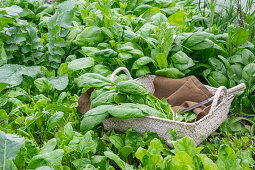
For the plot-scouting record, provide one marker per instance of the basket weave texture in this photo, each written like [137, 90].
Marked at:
[198, 130]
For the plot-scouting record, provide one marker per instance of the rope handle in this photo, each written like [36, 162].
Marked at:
[216, 97]
[118, 70]
[230, 92]
[234, 90]
[226, 93]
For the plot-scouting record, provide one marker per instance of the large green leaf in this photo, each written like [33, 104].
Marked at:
[248, 74]
[181, 161]
[142, 62]
[105, 98]
[94, 116]
[54, 120]
[170, 73]
[3, 86]
[217, 65]
[240, 36]
[134, 139]
[9, 74]
[89, 80]
[182, 61]
[51, 159]
[27, 152]
[141, 152]
[81, 63]
[49, 146]
[12, 73]
[60, 82]
[150, 12]
[131, 87]
[117, 141]
[158, 18]
[247, 57]
[43, 85]
[150, 111]
[195, 38]
[82, 163]
[89, 51]
[208, 163]
[3, 56]
[124, 111]
[99, 161]
[13, 10]
[185, 144]
[90, 35]
[217, 79]
[123, 165]
[177, 19]
[226, 158]
[106, 53]
[202, 45]
[161, 59]
[9, 147]
[155, 147]
[65, 14]
[87, 144]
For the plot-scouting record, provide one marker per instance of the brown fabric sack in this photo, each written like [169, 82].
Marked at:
[183, 93]
[179, 93]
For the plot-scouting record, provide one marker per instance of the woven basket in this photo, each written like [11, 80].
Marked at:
[198, 130]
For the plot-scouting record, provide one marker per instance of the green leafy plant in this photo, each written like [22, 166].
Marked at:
[47, 51]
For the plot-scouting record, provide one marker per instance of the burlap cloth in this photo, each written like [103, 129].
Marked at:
[179, 93]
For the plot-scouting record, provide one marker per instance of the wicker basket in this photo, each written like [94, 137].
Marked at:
[198, 130]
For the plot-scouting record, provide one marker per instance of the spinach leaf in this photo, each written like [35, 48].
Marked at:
[94, 116]
[161, 60]
[43, 85]
[240, 36]
[81, 63]
[177, 19]
[54, 120]
[217, 79]
[182, 61]
[117, 141]
[106, 53]
[105, 98]
[89, 80]
[182, 160]
[52, 159]
[185, 144]
[248, 74]
[170, 73]
[90, 35]
[123, 165]
[226, 158]
[133, 139]
[9, 147]
[125, 111]
[59, 83]
[131, 87]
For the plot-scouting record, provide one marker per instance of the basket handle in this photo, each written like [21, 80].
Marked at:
[216, 97]
[118, 70]
[230, 92]
[234, 90]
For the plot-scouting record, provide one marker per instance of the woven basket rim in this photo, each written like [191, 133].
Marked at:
[185, 123]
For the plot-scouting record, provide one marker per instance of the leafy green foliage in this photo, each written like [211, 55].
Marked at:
[51, 53]
[9, 148]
